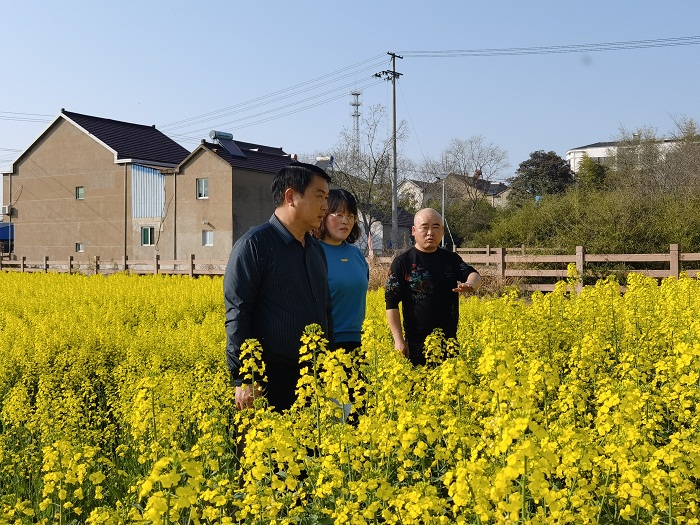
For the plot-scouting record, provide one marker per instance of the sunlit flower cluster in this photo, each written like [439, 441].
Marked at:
[569, 407]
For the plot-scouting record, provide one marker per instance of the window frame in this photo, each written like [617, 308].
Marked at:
[202, 188]
[151, 235]
[207, 237]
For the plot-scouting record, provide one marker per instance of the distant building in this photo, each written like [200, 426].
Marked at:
[601, 152]
[457, 187]
[91, 186]
[381, 233]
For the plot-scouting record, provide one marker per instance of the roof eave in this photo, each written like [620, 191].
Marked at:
[94, 137]
[150, 162]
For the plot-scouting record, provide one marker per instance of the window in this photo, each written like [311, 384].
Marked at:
[207, 237]
[148, 235]
[202, 188]
[79, 247]
[80, 192]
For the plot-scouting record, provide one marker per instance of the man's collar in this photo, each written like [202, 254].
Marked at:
[283, 232]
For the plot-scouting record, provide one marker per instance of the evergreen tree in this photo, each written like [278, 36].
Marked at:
[544, 173]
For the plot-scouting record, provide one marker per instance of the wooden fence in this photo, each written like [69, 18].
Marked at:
[528, 271]
[189, 266]
[541, 272]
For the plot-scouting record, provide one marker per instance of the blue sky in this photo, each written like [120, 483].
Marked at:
[279, 73]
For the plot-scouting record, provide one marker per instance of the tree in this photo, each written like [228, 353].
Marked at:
[362, 165]
[474, 162]
[467, 221]
[591, 174]
[646, 164]
[542, 174]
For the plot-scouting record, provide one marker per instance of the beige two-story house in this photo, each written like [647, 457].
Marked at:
[90, 186]
[85, 185]
[222, 189]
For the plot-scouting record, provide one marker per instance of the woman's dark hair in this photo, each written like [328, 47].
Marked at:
[341, 200]
[297, 176]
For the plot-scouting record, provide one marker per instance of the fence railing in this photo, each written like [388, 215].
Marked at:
[541, 272]
[528, 271]
[188, 266]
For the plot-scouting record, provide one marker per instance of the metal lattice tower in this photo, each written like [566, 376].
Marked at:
[355, 103]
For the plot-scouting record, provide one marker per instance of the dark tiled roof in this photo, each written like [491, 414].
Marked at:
[597, 145]
[257, 157]
[616, 143]
[404, 218]
[424, 185]
[137, 142]
[260, 148]
[487, 187]
[495, 188]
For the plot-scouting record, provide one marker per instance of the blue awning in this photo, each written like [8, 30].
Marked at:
[7, 231]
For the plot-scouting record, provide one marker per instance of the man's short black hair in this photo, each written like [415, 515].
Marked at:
[298, 176]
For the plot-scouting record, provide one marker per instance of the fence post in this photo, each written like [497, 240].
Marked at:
[97, 264]
[156, 264]
[70, 264]
[124, 263]
[192, 265]
[675, 261]
[24, 262]
[580, 266]
[501, 262]
[46, 263]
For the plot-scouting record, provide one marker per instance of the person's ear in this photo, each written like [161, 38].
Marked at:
[289, 196]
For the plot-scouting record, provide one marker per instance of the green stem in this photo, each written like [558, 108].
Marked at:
[670, 500]
[153, 414]
[523, 491]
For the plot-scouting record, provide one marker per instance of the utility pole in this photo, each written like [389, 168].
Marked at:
[444, 176]
[393, 75]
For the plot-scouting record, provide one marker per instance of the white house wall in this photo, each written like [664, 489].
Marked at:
[575, 156]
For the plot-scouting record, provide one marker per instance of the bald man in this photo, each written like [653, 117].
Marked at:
[426, 280]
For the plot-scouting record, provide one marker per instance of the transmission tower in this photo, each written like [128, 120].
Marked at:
[355, 103]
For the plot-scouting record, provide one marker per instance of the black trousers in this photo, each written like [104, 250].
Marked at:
[282, 377]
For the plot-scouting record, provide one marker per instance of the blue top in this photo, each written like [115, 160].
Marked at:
[273, 288]
[348, 280]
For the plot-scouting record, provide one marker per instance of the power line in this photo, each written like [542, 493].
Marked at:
[232, 124]
[543, 50]
[275, 96]
[251, 107]
[24, 117]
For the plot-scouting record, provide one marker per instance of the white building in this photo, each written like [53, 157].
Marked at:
[600, 151]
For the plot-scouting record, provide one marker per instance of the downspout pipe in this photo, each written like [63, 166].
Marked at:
[126, 209]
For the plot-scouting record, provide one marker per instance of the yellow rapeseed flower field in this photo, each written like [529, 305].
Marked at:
[116, 408]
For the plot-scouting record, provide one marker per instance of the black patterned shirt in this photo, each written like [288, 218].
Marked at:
[423, 282]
